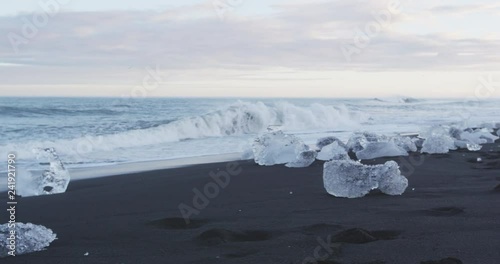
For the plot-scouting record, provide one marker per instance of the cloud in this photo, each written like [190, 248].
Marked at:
[465, 9]
[301, 36]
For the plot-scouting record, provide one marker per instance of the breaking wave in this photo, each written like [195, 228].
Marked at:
[240, 118]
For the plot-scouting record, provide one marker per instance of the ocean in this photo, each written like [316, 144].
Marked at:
[89, 132]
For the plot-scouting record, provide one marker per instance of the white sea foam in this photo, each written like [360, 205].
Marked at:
[241, 118]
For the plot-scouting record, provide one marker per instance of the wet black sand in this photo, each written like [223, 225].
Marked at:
[450, 212]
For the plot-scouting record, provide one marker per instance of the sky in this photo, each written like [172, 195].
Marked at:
[243, 48]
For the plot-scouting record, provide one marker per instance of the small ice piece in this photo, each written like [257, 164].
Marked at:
[498, 132]
[52, 181]
[351, 179]
[479, 160]
[474, 147]
[325, 141]
[28, 238]
[381, 149]
[368, 145]
[333, 151]
[277, 148]
[405, 142]
[304, 159]
[438, 141]
[86, 254]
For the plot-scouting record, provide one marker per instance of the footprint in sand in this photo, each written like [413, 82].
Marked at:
[444, 211]
[361, 236]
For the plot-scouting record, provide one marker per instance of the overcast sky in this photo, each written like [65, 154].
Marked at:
[278, 48]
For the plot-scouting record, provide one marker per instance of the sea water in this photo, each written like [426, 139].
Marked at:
[101, 131]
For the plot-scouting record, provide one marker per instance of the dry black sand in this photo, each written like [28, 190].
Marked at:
[450, 213]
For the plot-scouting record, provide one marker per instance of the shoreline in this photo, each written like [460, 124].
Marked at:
[92, 172]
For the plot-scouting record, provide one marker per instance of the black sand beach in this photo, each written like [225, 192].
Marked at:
[276, 215]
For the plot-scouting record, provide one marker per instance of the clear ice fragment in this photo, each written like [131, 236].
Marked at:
[28, 238]
[52, 181]
[277, 148]
[333, 151]
[304, 159]
[351, 179]
[438, 141]
[325, 141]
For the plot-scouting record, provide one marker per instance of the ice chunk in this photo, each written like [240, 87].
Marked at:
[354, 142]
[358, 141]
[474, 147]
[333, 151]
[351, 179]
[322, 142]
[391, 181]
[498, 132]
[381, 149]
[466, 144]
[28, 238]
[370, 145]
[438, 141]
[52, 181]
[277, 148]
[405, 143]
[480, 136]
[346, 178]
[303, 159]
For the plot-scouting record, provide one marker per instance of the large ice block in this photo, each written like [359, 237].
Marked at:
[277, 148]
[438, 141]
[27, 237]
[52, 181]
[351, 179]
[333, 151]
